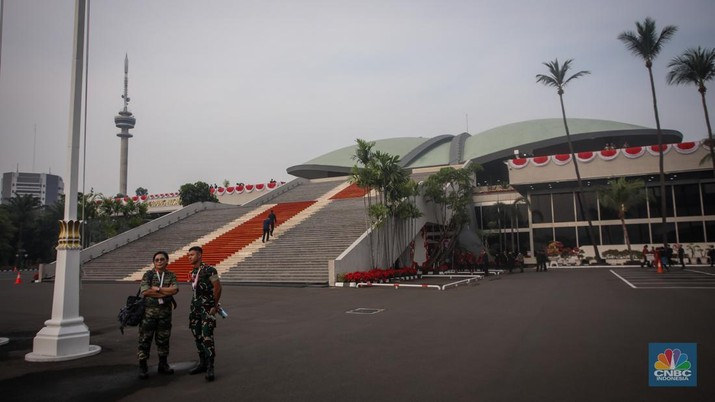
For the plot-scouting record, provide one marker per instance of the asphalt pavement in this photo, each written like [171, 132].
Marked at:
[577, 334]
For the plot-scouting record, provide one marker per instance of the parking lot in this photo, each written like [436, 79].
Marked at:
[578, 334]
[699, 277]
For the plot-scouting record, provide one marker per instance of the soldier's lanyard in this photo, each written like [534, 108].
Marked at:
[196, 278]
[160, 300]
[161, 279]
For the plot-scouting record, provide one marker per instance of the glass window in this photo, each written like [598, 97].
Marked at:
[709, 199]
[710, 231]
[654, 201]
[563, 207]
[583, 239]
[637, 211]
[589, 205]
[490, 217]
[612, 234]
[638, 234]
[658, 232]
[542, 237]
[522, 215]
[541, 208]
[478, 217]
[523, 242]
[567, 236]
[690, 232]
[640, 210]
[687, 199]
[608, 213]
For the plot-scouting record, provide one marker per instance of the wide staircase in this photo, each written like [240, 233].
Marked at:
[300, 256]
[136, 255]
[220, 248]
[322, 215]
[310, 191]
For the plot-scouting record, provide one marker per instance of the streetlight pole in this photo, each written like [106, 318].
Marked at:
[65, 336]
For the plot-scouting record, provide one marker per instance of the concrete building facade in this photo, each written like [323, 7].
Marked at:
[44, 186]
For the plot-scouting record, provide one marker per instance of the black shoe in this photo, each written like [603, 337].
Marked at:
[210, 371]
[143, 370]
[164, 367]
[199, 368]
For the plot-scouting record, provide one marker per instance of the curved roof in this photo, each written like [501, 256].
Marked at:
[535, 137]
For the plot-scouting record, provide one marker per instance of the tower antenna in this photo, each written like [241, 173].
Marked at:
[124, 121]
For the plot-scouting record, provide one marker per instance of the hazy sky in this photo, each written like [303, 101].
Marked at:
[241, 90]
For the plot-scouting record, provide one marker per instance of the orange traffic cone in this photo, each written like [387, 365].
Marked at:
[18, 280]
[660, 266]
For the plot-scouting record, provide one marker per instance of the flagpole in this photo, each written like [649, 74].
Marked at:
[65, 336]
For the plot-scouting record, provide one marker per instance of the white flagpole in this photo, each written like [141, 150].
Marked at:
[65, 336]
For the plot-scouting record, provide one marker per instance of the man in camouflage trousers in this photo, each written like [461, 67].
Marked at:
[158, 287]
[204, 306]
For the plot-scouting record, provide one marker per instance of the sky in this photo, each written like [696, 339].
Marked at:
[241, 90]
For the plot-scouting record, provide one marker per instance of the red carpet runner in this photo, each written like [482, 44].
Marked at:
[351, 191]
[237, 238]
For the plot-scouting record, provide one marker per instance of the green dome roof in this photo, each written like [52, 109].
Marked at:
[532, 136]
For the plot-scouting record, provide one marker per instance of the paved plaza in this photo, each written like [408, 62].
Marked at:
[578, 334]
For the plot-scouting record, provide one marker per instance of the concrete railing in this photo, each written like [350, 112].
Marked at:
[137, 233]
[267, 197]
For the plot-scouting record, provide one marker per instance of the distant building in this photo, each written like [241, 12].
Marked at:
[44, 186]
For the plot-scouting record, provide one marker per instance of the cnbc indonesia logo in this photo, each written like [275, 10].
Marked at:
[672, 366]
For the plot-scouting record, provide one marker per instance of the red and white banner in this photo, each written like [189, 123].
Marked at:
[653, 149]
[634, 152]
[540, 160]
[686, 148]
[585, 157]
[518, 163]
[561, 159]
[608, 154]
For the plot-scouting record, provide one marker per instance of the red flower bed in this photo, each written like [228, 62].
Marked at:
[376, 274]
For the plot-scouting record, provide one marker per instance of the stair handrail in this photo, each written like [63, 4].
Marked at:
[267, 197]
[131, 235]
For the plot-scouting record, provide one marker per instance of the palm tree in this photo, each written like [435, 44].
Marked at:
[365, 177]
[621, 195]
[646, 43]
[695, 66]
[557, 78]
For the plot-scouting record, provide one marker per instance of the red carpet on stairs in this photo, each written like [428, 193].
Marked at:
[237, 238]
[351, 191]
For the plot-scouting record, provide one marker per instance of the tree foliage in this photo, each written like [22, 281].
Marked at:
[392, 206]
[197, 192]
[557, 78]
[646, 43]
[28, 228]
[450, 192]
[621, 195]
[696, 66]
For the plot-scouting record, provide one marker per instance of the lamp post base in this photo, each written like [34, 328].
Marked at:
[59, 341]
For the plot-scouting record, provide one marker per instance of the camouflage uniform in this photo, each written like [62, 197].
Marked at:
[156, 324]
[202, 323]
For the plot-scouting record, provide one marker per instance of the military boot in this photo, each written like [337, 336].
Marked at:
[143, 370]
[210, 369]
[201, 367]
[164, 367]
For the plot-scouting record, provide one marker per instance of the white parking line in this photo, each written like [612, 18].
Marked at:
[623, 279]
[700, 272]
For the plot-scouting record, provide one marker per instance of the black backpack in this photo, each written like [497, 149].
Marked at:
[131, 314]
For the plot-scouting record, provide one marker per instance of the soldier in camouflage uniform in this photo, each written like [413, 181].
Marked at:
[204, 306]
[158, 287]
